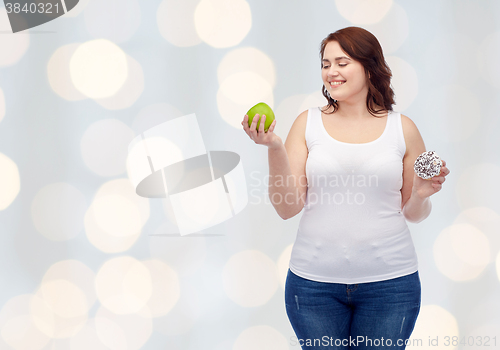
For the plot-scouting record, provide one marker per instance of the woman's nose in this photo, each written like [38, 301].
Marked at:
[333, 72]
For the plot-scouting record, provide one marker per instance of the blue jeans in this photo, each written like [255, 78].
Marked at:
[369, 316]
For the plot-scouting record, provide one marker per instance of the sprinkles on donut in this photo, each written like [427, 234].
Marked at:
[428, 165]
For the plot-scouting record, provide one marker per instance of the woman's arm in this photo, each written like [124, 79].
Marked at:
[287, 174]
[415, 204]
[287, 171]
[417, 209]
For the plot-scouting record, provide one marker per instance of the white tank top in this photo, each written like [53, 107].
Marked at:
[352, 229]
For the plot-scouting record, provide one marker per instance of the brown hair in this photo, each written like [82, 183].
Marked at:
[363, 46]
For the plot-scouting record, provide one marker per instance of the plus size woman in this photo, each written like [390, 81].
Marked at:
[353, 278]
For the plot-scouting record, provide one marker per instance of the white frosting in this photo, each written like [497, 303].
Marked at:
[428, 165]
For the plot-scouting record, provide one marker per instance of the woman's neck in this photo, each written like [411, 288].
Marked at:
[354, 112]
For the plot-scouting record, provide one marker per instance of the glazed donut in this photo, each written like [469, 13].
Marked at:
[428, 165]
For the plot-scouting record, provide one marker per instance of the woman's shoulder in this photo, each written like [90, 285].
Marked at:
[408, 125]
[413, 138]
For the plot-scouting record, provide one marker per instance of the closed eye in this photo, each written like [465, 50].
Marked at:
[340, 65]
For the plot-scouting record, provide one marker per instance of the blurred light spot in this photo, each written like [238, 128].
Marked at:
[115, 20]
[183, 316]
[123, 187]
[98, 68]
[456, 112]
[404, 82]
[164, 150]
[166, 292]
[64, 298]
[17, 325]
[42, 316]
[75, 272]
[87, 339]
[254, 88]
[313, 100]
[234, 98]
[486, 220]
[59, 75]
[109, 333]
[134, 330]
[2, 105]
[433, 321]
[222, 23]
[123, 285]
[155, 148]
[363, 11]
[488, 58]
[153, 115]
[393, 31]
[58, 211]
[117, 215]
[250, 278]
[262, 338]
[461, 252]
[175, 21]
[14, 46]
[103, 240]
[10, 183]
[130, 92]
[474, 193]
[104, 147]
[247, 59]
[283, 264]
[184, 255]
[59, 309]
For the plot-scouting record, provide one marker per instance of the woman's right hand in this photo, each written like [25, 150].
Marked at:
[269, 138]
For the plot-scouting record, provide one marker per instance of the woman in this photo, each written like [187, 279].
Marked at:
[353, 281]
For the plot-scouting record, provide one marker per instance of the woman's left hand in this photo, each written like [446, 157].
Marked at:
[425, 188]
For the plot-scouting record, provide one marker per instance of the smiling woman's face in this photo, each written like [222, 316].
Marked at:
[343, 77]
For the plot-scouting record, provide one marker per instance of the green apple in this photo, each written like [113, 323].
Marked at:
[261, 109]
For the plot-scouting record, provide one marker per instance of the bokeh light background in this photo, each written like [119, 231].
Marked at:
[88, 264]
